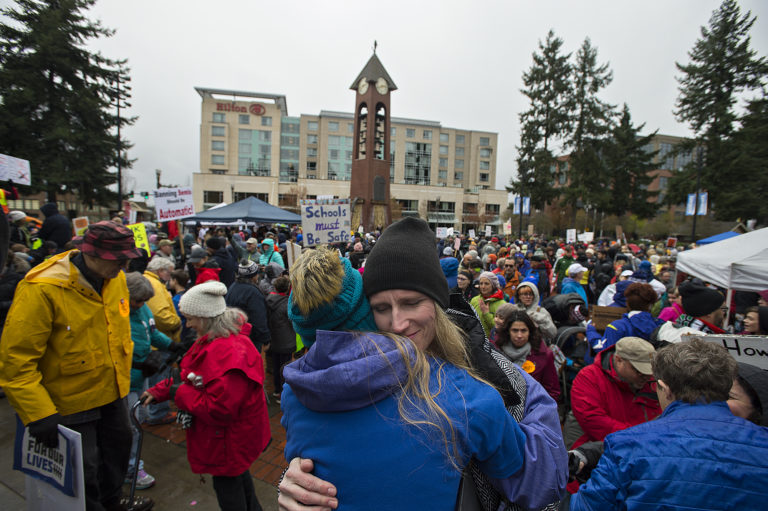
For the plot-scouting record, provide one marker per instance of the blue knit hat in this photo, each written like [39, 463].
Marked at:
[327, 294]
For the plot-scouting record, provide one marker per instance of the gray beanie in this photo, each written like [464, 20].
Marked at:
[204, 300]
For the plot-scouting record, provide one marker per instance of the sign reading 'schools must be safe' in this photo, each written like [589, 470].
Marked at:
[325, 221]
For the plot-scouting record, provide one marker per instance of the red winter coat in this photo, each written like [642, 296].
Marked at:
[603, 404]
[230, 428]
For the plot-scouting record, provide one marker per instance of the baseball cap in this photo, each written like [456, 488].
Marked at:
[637, 352]
[575, 268]
[111, 241]
[165, 243]
[252, 241]
[197, 254]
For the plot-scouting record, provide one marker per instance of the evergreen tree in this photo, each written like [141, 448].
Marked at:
[628, 164]
[545, 122]
[57, 99]
[722, 67]
[747, 168]
[592, 119]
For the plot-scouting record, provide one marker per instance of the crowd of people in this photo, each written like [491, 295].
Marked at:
[413, 372]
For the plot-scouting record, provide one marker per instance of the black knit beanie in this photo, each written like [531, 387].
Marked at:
[405, 257]
[698, 299]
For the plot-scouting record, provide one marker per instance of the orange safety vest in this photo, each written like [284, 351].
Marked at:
[3, 201]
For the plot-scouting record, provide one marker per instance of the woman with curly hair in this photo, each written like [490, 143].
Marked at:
[520, 340]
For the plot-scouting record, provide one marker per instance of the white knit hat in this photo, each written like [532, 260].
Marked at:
[204, 300]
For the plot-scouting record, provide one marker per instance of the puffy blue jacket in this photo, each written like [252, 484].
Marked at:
[630, 324]
[571, 286]
[450, 267]
[694, 456]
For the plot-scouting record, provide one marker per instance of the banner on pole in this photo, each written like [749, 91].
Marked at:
[173, 204]
[702, 203]
[516, 206]
[526, 205]
[325, 221]
[690, 205]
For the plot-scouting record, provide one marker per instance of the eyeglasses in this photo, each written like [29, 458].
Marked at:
[525, 293]
[509, 266]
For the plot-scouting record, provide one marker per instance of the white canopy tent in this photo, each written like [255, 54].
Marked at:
[738, 263]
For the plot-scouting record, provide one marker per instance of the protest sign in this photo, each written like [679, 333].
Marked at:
[487, 231]
[507, 227]
[293, 251]
[140, 236]
[449, 232]
[325, 221]
[14, 169]
[442, 232]
[173, 203]
[750, 349]
[530, 229]
[586, 237]
[457, 243]
[570, 236]
[471, 233]
[54, 475]
[80, 224]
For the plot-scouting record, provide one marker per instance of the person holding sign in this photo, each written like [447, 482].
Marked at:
[66, 352]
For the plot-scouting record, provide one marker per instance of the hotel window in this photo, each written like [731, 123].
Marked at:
[312, 125]
[459, 139]
[311, 166]
[485, 153]
[443, 162]
[427, 135]
[218, 117]
[333, 126]
[244, 119]
[459, 151]
[485, 165]
[266, 121]
[410, 133]
[214, 197]
[458, 176]
[217, 159]
[483, 178]
[459, 164]
[443, 138]
[485, 141]
[217, 131]
[311, 139]
[443, 149]
[311, 152]
[217, 145]
[442, 174]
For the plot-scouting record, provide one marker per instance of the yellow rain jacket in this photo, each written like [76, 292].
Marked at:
[161, 305]
[64, 348]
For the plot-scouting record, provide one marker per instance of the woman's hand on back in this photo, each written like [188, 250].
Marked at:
[301, 491]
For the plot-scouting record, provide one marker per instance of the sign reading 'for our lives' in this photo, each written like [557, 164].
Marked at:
[173, 203]
[325, 221]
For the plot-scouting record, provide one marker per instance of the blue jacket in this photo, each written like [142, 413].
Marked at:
[571, 286]
[698, 456]
[340, 409]
[630, 324]
[144, 335]
[270, 256]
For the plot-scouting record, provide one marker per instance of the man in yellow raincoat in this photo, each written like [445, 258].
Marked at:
[65, 356]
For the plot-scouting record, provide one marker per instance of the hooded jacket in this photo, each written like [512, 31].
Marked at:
[695, 456]
[65, 348]
[347, 387]
[210, 270]
[571, 286]
[227, 264]
[603, 404]
[230, 425]
[537, 313]
[163, 310]
[270, 256]
[247, 297]
[450, 267]
[55, 227]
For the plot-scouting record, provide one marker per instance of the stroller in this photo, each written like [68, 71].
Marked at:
[570, 314]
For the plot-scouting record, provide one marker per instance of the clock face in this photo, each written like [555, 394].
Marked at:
[381, 86]
[362, 87]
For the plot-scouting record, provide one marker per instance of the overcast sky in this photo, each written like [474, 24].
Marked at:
[456, 62]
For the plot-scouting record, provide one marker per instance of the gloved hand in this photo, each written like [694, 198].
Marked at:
[46, 430]
[177, 348]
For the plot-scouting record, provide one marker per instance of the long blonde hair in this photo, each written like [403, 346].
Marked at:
[416, 402]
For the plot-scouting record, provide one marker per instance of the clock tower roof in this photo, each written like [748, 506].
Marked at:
[372, 71]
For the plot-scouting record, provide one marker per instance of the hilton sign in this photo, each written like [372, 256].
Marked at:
[254, 108]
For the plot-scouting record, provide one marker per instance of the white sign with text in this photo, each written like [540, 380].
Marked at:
[173, 204]
[325, 221]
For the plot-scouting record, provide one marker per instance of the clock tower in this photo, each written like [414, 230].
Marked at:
[369, 184]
